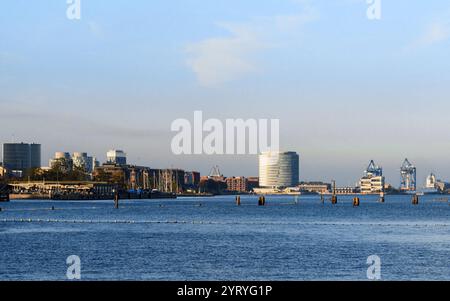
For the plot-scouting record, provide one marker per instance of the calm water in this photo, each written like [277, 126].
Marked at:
[212, 239]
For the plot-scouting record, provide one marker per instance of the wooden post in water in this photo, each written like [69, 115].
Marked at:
[382, 197]
[334, 196]
[262, 201]
[238, 200]
[356, 202]
[415, 199]
[116, 198]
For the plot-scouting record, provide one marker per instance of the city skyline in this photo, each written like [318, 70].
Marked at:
[112, 153]
[346, 89]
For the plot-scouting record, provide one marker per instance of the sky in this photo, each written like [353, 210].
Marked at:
[346, 89]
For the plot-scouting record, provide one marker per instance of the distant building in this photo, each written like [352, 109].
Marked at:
[346, 190]
[278, 169]
[431, 182]
[20, 157]
[237, 184]
[315, 187]
[62, 161]
[79, 160]
[116, 157]
[373, 180]
[191, 178]
[3, 172]
[253, 182]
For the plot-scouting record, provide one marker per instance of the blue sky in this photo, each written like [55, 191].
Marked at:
[346, 89]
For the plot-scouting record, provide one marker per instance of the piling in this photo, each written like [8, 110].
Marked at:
[262, 201]
[382, 198]
[356, 202]
[415, 200]
[334, 198]
[238, 200]
[116, 199]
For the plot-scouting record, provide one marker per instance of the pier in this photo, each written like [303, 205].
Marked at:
[79, 191]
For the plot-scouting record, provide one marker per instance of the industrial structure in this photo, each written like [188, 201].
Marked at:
[408, 175]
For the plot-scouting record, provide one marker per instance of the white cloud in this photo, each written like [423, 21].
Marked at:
[436, 32]
[218, 60]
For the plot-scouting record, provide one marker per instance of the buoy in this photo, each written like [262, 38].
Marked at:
[356, 202]
[53, 207]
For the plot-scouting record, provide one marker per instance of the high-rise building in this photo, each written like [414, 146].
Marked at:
[19, 157]
[116, 157]
[278, 169]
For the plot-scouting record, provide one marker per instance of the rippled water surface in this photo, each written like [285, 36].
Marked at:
[213, 239]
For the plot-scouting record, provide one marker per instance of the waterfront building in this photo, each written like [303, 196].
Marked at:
[116, 157]
[278, 169]
[373, 180]
[192, 178]
[20, 157]
[431, 182]
[253, 182]
[3, 172]
[315, 187]
[237, 184]
[346, 190]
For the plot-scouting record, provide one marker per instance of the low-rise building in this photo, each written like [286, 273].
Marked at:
[237, 184]
[315, 187]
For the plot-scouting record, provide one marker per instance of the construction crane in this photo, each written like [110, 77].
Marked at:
[374, 170]
[408, 174]
[215, 172]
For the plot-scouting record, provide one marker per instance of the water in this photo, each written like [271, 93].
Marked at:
[213, 239]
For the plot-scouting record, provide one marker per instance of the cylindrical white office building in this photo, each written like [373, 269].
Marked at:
[278, 169]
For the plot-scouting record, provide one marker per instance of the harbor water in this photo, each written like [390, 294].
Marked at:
[214, 239]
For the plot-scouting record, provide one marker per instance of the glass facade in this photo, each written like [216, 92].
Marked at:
[278, 169]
